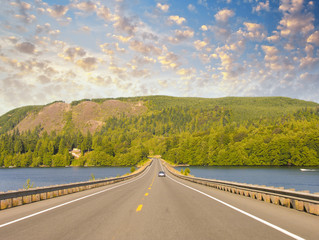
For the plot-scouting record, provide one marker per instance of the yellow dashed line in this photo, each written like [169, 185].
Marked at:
[146, 194]
[149, 188]
[139, 208]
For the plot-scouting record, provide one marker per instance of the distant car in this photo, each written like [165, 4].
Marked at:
[161, 174]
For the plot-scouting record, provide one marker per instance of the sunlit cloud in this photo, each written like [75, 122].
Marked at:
[75, 49]
[176, 19]
[163, 7]
[57, 11]
[224, 15]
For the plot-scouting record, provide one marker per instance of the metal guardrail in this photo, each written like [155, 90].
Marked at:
[20, 197]
[301, 201]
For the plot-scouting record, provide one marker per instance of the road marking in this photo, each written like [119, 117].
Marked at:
[146, 194]
[243, 212]
[149, 188]
[139, 208]
[75, 200]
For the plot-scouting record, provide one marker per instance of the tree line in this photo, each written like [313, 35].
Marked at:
[181, 134]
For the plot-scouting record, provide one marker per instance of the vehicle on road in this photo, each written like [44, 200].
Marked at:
[161, 174]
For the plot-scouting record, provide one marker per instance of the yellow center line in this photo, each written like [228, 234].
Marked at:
[146, 194]
[139, 208]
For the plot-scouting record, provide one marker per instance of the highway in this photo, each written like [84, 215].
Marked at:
[152, 207]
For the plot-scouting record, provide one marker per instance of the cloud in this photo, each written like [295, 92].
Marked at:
[292, 6]
[314, 38]
[144, 48]
[255, 31]
[23, 12]
[44, 79]
[72, 52]
[271, 53]
[181, 35]
[274, 38]
[191, 7]
[126, 25]
[224, 15]
[204, 28]
[262, 6]
[199, 45]
[104, 13]
[163, 7]
[13, 39]
[143, 60]
[170, 60]
[88, 64]
[85, 29]
[111, 48]
[100, 80]
[295, 21]
[176, 19]
[58, 11]
[86, 6]
[186, 73]
[122, 38]
[43, 28]
[26, 47]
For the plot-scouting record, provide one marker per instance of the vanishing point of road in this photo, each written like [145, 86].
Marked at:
[152, 207]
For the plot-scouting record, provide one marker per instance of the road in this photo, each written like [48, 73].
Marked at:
[150, 207]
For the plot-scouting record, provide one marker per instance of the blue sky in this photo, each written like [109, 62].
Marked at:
[70, 50]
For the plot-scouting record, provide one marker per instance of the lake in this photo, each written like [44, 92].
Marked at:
[287, 177]
[15, 178]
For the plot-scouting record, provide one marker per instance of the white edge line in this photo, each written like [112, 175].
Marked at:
[243, 212]
[75, 200]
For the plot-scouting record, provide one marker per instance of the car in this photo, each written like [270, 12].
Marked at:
[161, 174]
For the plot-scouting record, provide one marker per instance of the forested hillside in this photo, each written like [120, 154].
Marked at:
[196, 131]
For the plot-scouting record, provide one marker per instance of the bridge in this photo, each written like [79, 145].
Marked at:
[152, 207]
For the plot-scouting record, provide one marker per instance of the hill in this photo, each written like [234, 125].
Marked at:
[274, 131]
[91, 115]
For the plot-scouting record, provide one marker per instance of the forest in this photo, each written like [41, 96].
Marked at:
[194, 131]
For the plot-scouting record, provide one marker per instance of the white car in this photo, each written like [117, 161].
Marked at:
[161, 174]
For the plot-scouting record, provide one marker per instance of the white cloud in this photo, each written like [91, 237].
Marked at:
[176, 19]
[204, 28]
[163, 7]
[314, 38]
[224, 15]
[199, 45]
[271, 53]
[104, 13]
[86, 6]
[181, 35]
[295, 21]
[191, 7]
[262, 6]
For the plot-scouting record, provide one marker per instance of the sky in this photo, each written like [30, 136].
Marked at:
[71, 50]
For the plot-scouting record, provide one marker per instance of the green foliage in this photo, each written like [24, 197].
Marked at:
[9, 120]
[195, 131]
[132, 169]
[27, 184]
[185, 172]
[92, 178]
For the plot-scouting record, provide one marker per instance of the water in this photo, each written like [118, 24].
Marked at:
[15, 178]
[287, 177]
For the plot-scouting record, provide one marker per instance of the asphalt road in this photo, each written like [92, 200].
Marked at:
[150, 207]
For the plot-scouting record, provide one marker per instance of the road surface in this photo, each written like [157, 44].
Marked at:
[152, 207]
